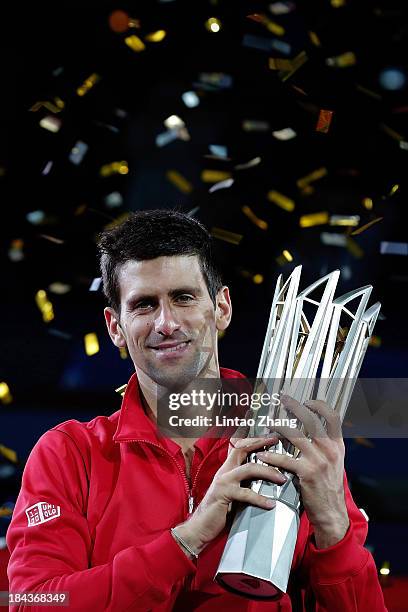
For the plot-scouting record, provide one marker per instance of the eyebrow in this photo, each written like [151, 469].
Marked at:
[134, 299]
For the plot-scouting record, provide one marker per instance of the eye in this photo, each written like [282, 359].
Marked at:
[144, 305]
[184, 297]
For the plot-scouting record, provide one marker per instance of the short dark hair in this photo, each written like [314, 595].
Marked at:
[155, 233]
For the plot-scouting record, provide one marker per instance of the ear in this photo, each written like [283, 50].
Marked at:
[114, 328]
[223, 310]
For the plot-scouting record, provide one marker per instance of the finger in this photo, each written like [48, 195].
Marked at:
[297, 438]
[311, 422]
[333, 423]
[254, 471]
[241, 447]
[283, 462]
[243, 430]
[250, 497]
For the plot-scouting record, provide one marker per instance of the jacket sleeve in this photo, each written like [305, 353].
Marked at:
[343, 576]
[54, 555]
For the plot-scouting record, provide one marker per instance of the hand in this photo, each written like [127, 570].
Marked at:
[210, 517]
[320, 468]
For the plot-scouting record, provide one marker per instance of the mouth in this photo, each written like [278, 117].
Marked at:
[171, 349]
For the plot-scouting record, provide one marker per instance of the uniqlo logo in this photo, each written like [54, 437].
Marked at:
[41, 512]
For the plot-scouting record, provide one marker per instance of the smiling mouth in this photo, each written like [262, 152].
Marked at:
[171, 349]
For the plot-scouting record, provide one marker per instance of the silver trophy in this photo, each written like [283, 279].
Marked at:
[310, 355]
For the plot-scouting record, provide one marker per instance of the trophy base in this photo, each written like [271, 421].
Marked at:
[247, 586]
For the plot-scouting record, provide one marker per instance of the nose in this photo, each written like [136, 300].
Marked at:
[166, 322]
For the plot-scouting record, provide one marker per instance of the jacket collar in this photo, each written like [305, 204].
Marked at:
[135, 426]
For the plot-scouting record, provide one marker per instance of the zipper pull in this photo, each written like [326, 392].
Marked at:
[190, 504]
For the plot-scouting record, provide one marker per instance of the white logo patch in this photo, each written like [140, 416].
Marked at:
[42, 512]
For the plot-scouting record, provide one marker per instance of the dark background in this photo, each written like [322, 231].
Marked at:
[49, 49]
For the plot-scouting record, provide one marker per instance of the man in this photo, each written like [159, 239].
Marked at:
[136, 520]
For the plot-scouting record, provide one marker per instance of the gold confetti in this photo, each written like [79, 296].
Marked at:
[117, 221]
[385, 568]
[315, 40]
[157, 36]
[354, 248]
[393, 189]
[337, 3]
[225, 235]
[285, 257]
[367, 203]
[342, 61]
[368, 92]
[8, 453]
[135, 43]
[364, 442]
[44, 305]
[123, 352]
[288, 67]
[52, 239]
[319, 218]
[258, 279]
[5, 511]
[213, 25]
[91, 344]
[274, 27]
[54, 107]
[312, 177]
[179, 181]
[363, 228]
[5, 394]
[392, 133]
[220, 333]
[121, 390]
[88, 84]
[117, 167]
[345, 220]
[281, 200]
[252, 217]
[214, 176]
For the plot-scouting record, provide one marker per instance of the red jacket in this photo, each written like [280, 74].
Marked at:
[120, 487]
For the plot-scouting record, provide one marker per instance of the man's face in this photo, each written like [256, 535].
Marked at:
[168, 319]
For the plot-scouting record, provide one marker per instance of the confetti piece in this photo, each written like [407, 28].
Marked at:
[354, 248]
[274, 27]
[375, 341]
[392, 133]
[51, 238]
[193, 211]
[281, 200]
[179, 181]
[190, 99]
[345, 220]
[257, 278]
[117, 167]
[55, 107]
[119, 21]
[367, 203]
[47, 168]
[117, 221]
[403, 145]
[113, 199]
[96, 284]
[123, 352]
[156, 37]
[77, 152]
[364, 442]
[250, 164]
[51, 123]
[213, 25]
[282, 8]
[253, 125]
[312, 219]
[252, 217]
[225, 235]
[315, 40]
[368, 92]
[221, 185]
[166, 137]
[44, 305]
[385, 569]
[35, 217]
[5, 511]
[324, 121]
[8, 453]
[59, 288]
[393, 189]
[218, 80]
[213, 176]
[342, 61]
[5, 394]
[88, 84]
[394, 248]
[219, 150]
[257, 42]
[91, 344]
[346, 272]
[59, 334]
[332, 239]
[135, 43]
[312, 177]
[284, 258]
[173, 121]
[363, 228]
[121, 390]
[284, 134]
[15, 251]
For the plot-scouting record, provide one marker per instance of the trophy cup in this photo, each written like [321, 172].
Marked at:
[310, 357]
